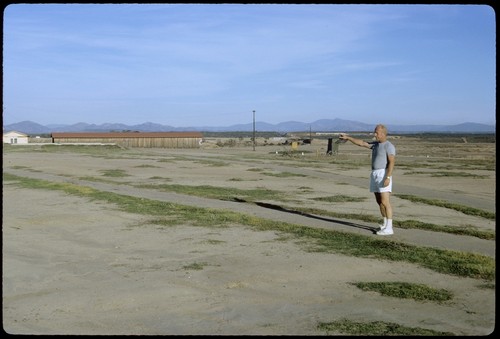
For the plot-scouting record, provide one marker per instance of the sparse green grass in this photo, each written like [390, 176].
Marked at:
[114, 173]
[206, 162]
[375, 328]
[429, 165]
[169, 160]
[213, 241]
[221, 193]
[291, 153]
[469, 230]
[283, 174]
[231, 194]
[146, 166]
[212, 163]
[83, 149]
[196, 266]
[156, 177]
[405, 224]
[487, 286]
[106, 180]
[448, 174]
[225, 193]
[340, 198]
[461, 208]
[405, 290]
[8, 148]
[319, 240]
[255, 169]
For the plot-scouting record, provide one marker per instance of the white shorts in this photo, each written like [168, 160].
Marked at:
[377, 179]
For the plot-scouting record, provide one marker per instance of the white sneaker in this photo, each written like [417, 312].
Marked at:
[382, 227]
[385, 231]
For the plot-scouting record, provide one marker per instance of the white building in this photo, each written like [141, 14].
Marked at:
[14, 137]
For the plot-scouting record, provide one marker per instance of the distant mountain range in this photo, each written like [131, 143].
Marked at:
[323, 125]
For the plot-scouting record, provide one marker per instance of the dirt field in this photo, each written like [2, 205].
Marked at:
[75, 266]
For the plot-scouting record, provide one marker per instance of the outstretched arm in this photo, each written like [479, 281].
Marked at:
[355, 141]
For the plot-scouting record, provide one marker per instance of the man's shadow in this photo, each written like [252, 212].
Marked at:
[282, 209]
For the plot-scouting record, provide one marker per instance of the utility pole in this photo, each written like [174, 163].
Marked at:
[254, 130]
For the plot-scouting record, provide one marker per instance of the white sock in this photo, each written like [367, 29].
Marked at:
[387, 230]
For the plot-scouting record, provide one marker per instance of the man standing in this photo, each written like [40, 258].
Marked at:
[383, 158]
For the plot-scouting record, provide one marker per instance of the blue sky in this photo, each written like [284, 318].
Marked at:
[212, 65]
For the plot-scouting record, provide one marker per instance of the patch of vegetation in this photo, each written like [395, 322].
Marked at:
[405, 224]
[226, 143]
[170, 159]
[441, 138]
[320, 240]
[457, 207]
[196, 266]
[283, 174]
[439, 260]
[406, 290]
[476, 164]
[103, 180]
[291, 153]
[146, 166]
[231, 194]
[340, 198]
[8, 148]
[450, 164]
[221, 193]
[488, 285]
[156, 177]
[212, 163]
[114, 173]
[469, 230]
[255, 169]
[449, 174]
[376, 328]
[83, 149]
[213, 241]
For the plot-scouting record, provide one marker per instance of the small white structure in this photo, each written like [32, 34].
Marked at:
[14, 137]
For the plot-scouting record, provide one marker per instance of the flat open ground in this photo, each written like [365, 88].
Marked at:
[79, 265]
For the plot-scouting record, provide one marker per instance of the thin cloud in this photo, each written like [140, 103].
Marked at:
[286, 58]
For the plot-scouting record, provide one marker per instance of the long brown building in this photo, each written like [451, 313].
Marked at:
[133, 139]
